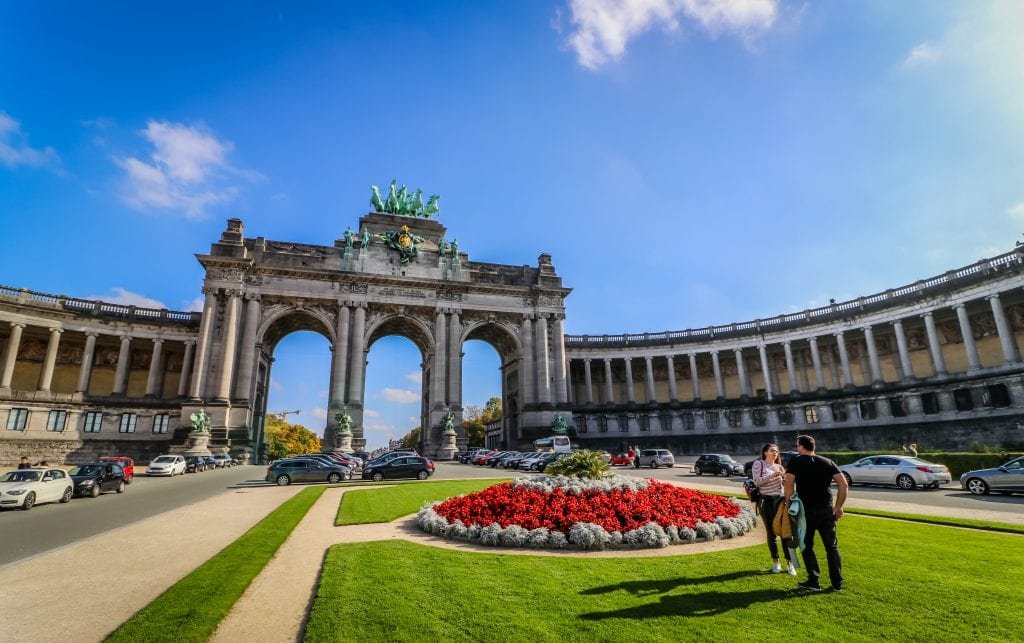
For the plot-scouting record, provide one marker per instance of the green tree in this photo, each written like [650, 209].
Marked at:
[475, 420]
[285, 439]
[411, 440]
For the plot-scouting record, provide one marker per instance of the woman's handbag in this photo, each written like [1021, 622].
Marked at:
[753, 493]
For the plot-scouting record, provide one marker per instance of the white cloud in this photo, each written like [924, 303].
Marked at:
[377, 427]
[276, 385]
[195, 306]
[400, 396]
[127, 298]
[15, 150]
[416, 377]
[370, 413]
[603, 28]
[922, 54]
[413, 421]
[1017, 212]
[319, 413]
[187, 171]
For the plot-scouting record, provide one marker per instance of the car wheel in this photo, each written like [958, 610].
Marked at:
[977, 486]
[422, 475]
[378, 476]
[121, 486]
[334, 478]
[67, 495]
[849, 480]
[903, 481]
[129, 479]
[698, 471]
[283, 480]
[30, 501]
[654, 465]
[95, 491]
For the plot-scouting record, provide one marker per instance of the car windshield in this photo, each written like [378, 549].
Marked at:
[86, 470]
[20, 476]
[725, 458]
[164, 459]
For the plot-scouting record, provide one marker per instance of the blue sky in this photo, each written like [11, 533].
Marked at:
[685, 162]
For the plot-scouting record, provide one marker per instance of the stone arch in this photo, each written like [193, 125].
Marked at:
[500, 336]
[284, 322]
[409, 326]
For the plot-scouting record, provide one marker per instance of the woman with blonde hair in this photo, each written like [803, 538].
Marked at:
[768, 474]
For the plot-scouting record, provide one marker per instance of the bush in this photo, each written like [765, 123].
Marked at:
[581, 464]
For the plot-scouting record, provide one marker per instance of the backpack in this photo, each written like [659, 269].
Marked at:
[753, 493]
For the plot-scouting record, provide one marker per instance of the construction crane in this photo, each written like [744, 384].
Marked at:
[284, 414]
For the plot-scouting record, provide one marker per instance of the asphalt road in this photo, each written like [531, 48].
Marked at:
[45, 527]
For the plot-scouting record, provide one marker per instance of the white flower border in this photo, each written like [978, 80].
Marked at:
[586, 535]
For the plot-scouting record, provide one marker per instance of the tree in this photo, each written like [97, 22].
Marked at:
[475, 420]
[411, 440]
[285, 439]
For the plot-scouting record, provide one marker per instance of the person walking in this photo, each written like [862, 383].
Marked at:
[768, 474]
[811, 475]
[636, 456]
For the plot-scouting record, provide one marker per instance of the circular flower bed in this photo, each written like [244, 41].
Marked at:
[558, 512]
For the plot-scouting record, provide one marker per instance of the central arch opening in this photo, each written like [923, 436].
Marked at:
[393, 402]
[299, 377]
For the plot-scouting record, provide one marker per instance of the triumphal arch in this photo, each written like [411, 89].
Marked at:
[396, 274]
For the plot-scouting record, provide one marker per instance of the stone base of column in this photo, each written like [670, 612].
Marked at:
[198, 444]
[345, 442]
[448, 447]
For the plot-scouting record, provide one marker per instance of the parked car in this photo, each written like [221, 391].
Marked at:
[1009, 478]
[717, 464]
[548, 459]
[166, 465]
[383, 459]
[903, 471]
[534, 462]
[126, 463]
[410, 466]
[486, 460]
[621, 459]
[27, 488]
[655, 458]
[285, 472]
[479, 456]
[223, 460]
[513, 461]
[748, 467]
[195, 463]
[96, 477]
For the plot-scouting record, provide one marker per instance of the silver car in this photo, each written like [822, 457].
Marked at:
[655, 458]
[902, 471]
[1008, 478]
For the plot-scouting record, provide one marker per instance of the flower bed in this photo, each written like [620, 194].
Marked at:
[558, 512]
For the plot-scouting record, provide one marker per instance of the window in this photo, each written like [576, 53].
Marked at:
[930, 403]
[898, 406]
[963, 399]
[93, 421]
[160, 422]
[57, 420]
[839, 412]
[581, 423]
[623, 423]
[644, 421]
[759, 417]
[687, 419]
[811, 414]
[17, 419]
[734, 417]
[602, 424]
[711, 420]
[998, 395]
[867, 409]
[785, 415]
[127, 424]
[665, 421]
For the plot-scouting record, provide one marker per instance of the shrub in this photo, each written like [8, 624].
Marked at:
[582, 464]
[587, 535]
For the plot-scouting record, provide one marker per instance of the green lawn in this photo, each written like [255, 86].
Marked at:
[904, 581]
[192, 608]
[385, 505]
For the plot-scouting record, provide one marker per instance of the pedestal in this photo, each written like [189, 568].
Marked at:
[447, 449]
[198, 444]
[345, 442]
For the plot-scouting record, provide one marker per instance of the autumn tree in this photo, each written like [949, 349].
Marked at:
[285, 439]
[475, 420]
[411, 440]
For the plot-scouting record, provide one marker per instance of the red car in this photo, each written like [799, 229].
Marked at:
[622, 458]
[126, 463]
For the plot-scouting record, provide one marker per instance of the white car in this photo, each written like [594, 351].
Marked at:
[27, 488]
[166, 465]
[900, 470]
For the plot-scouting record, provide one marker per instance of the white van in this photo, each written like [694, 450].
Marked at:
[554, 444]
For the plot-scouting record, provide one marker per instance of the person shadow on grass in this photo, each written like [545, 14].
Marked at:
[699, 604]
[661, 586]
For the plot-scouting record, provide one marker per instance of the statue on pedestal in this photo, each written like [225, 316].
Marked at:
[449, 424]
[349, 236]
[344, 434]
[558, 425]
[200, 421]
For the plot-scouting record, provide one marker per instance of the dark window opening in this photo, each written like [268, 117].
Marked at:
[998, 395]
[930, 403]
[898, 406]
[868, 410]
[840, 413]
[962, 398]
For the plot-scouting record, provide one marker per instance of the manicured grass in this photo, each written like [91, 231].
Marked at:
[192, 608]
[385, 505]
[985, 525]
[904, 581]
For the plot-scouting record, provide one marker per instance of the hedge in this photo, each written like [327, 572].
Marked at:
[958, 462]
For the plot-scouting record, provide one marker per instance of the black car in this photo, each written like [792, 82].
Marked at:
[211, 462]
[786, 456]
[96, 477]
[412, 466]
[194, 463]
[717, 464]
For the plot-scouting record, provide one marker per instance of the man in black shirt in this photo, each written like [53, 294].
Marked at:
[812, 475]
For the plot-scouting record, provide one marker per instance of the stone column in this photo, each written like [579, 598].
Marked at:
[528, 374]
[85, 370]
[673, 394]
[876, 369]
[358, 356]
[247, 351]
[46, 373]
[1010, 352]
[558, 342]
[11, 355]
[121, 373]
[651, 397]
[763, 354]
[588, 380]
[694, 377]
[844, 360]
[629, 380]
[973, 361]
[439, 373]
[719, 384]
[608, 389]
[339, 360]
[455, 359]
[186, 368]
[938, 362]
[901, 346]
[153, 383]
[201, 366]
[543, 360]
[790, 368]
[229, 345]
[741, 370]
[819, 375]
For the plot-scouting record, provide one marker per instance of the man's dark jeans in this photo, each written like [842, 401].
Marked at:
[822, 521]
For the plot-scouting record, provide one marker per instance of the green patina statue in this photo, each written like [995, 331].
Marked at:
[406, 243]
[349, 236]
[365, 239]
[455, 248]
[375, 200]
[558, 425]
[442, 246]
[449, 423]
[344, 421]
[399, 201]
[200, 421]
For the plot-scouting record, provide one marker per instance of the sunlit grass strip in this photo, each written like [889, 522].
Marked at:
[984, 525]
[193, 607]
[910, 581]
[384, 505]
